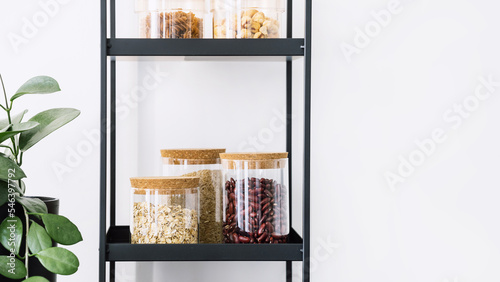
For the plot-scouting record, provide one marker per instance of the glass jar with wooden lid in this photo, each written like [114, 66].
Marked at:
[205, 164]
[255, 198]
[165, 210]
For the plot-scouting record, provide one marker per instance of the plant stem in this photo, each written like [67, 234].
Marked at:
[7, 108]
[26, 254]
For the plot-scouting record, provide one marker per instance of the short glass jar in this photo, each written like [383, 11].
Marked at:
[165, 210]
[248, 18]
[255, 198]
[205, 164]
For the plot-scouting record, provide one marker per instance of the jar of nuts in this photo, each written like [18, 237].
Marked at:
[165, 210]
[205, 164]
[248, 18]
[255, 198]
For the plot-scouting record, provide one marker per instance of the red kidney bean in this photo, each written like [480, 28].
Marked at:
[236, 238]
[265, 201]
[262, 228]
[266, 206]
[262, 237]
[244, 239]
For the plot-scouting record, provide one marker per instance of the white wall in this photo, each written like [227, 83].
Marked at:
[369, 108]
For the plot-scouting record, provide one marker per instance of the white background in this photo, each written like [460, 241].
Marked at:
[369, 108]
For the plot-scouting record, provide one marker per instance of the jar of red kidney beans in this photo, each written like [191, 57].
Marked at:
[255, 198]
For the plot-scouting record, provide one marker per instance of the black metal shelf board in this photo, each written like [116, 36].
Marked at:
[205, 47]
[120, 249]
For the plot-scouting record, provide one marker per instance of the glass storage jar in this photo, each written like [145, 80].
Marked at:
[181, 18]
[147, 11]
[255, 198]
[205, 164]
[165, 210]
[248, 18]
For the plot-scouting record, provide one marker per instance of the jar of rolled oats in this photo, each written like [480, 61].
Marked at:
[165, 210]
[148, 14]
[181, 18]
[248, 18]
[205, 164]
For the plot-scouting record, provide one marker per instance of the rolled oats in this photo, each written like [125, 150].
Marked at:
[164, 224]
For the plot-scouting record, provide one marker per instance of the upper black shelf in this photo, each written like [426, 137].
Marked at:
[119, 249]
[206, 47]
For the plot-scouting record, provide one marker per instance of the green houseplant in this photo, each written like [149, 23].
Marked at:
[27, 230]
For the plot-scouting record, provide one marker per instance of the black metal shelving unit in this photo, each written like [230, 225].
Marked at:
[114, 243]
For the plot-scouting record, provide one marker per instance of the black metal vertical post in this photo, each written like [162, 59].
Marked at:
[112, 146]
[103, 162]
[112, 153]
[289, 137]
[307, 143]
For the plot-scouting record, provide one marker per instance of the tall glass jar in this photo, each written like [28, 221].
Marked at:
[205, 164]
[165, 210]
[248, 18]
[255, 198]
[182, 18]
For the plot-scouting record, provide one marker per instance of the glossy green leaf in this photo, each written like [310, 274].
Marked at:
[61, 229]
[12, 268]
[16, 129]
[9, 169]
[49, 121]
[33, 205]
[36, 279]
[38, 238]
[14, 119]
[58, 260]
[11, 234]
[37, 85]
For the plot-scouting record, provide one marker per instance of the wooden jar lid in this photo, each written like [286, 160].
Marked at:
[165, 185]
[191, 156]
[200, 154]
[254, 160]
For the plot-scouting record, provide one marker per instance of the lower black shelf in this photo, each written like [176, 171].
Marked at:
[118, 248]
